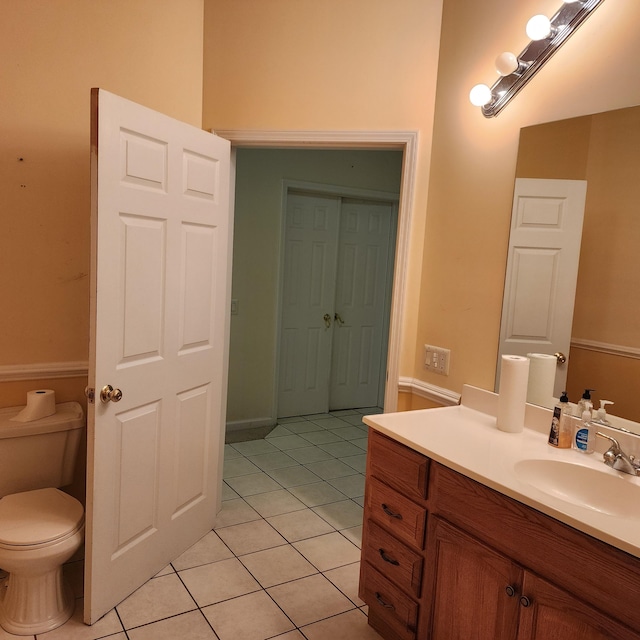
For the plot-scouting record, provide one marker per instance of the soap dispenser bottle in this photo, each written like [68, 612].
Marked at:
[601, 414]
[585, 403]
[560, 432]
[585, 434]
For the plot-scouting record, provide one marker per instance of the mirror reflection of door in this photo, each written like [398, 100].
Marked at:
[335, 303]
[542, 270]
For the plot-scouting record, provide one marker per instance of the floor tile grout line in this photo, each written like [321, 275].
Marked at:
[318, 571]
[313, 419]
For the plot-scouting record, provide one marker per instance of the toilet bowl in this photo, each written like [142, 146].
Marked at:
[39, 531]
[41, 527]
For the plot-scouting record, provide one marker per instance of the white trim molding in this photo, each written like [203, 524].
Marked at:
[445, 397]
[407, 141]
[605, 347]
[44, 371]
[241, 425]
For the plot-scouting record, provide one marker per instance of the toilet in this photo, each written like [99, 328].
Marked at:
[41, 527]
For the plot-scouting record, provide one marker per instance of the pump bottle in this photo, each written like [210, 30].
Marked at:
[585, 403]
[601, 414]
[585, 434]
[560, 432]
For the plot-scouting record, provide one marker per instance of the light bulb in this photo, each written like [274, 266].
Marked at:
[539, 27]
[506, 63]
[480, 95]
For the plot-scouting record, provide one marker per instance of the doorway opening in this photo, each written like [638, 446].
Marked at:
[257, 267]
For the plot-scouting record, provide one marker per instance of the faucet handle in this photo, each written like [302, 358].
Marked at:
[615, 445]
[617, 459]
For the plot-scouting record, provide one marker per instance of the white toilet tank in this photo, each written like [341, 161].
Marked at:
[41, 453]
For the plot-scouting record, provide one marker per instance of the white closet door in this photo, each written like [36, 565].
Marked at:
[307, 304]
[361, 304]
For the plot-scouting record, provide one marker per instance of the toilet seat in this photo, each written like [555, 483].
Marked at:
[38, 517]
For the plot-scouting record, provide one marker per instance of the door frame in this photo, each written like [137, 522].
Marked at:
[405, 141]
[313, 188]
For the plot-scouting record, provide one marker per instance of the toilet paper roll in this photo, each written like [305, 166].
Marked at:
[542, 379]
[40, 404]
[512, 398]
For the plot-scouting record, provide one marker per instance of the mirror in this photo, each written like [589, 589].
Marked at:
[604, 150]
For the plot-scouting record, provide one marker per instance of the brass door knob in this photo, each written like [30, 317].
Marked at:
[109, 394]
[560, 357]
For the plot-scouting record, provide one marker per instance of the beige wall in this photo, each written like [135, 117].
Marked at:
[474, 159]
[289, 64]
[51, 54]
[330, 65]
[256, 255]
[372, 65]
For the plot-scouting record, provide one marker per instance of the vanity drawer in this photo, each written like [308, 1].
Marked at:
[391, 558]
[396, 609]
[398, 514]
[398, 466]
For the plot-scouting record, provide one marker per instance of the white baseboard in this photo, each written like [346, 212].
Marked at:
[445, 397]
[241, 425]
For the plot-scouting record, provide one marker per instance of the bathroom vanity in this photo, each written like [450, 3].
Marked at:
[473, 533]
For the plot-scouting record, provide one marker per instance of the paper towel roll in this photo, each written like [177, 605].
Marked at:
[542, 379]
[514, 375]
[40, 404]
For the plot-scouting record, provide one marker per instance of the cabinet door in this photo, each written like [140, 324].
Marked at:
[476, 589]
[553, 614]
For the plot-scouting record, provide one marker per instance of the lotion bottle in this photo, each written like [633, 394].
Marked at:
[601, 414]
[560, 432]
[585, 434]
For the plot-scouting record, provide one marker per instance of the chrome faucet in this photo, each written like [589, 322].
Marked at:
[617, 459]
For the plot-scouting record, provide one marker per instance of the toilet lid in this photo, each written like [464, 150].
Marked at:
[34, 517]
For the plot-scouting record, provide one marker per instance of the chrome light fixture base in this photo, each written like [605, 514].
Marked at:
[563, 23]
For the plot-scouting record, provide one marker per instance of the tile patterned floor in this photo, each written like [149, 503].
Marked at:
[281, 563]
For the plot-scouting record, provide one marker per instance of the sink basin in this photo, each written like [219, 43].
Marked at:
[602, 490]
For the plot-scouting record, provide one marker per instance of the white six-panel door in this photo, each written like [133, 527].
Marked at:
[311, 233]
[161, 233]
[542, 269]
[337, 262]
[361, 303]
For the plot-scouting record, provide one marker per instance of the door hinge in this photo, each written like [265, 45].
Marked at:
[90, 392]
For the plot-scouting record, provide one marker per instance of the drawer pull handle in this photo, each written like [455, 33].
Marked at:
[391, 513]
[510, 591]
[386, 605]
[386, 558]
[524, 601]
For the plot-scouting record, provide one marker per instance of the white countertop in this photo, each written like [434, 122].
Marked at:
[465, 438]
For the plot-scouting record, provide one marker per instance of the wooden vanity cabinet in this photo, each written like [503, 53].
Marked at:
[446, 558]
[393, 540]
[482, 594]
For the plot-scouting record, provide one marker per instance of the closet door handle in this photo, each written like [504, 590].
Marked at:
[524, 601]
[327, 320]
[338, 319]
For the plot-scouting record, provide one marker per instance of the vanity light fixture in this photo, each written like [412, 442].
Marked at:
[547, 35]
